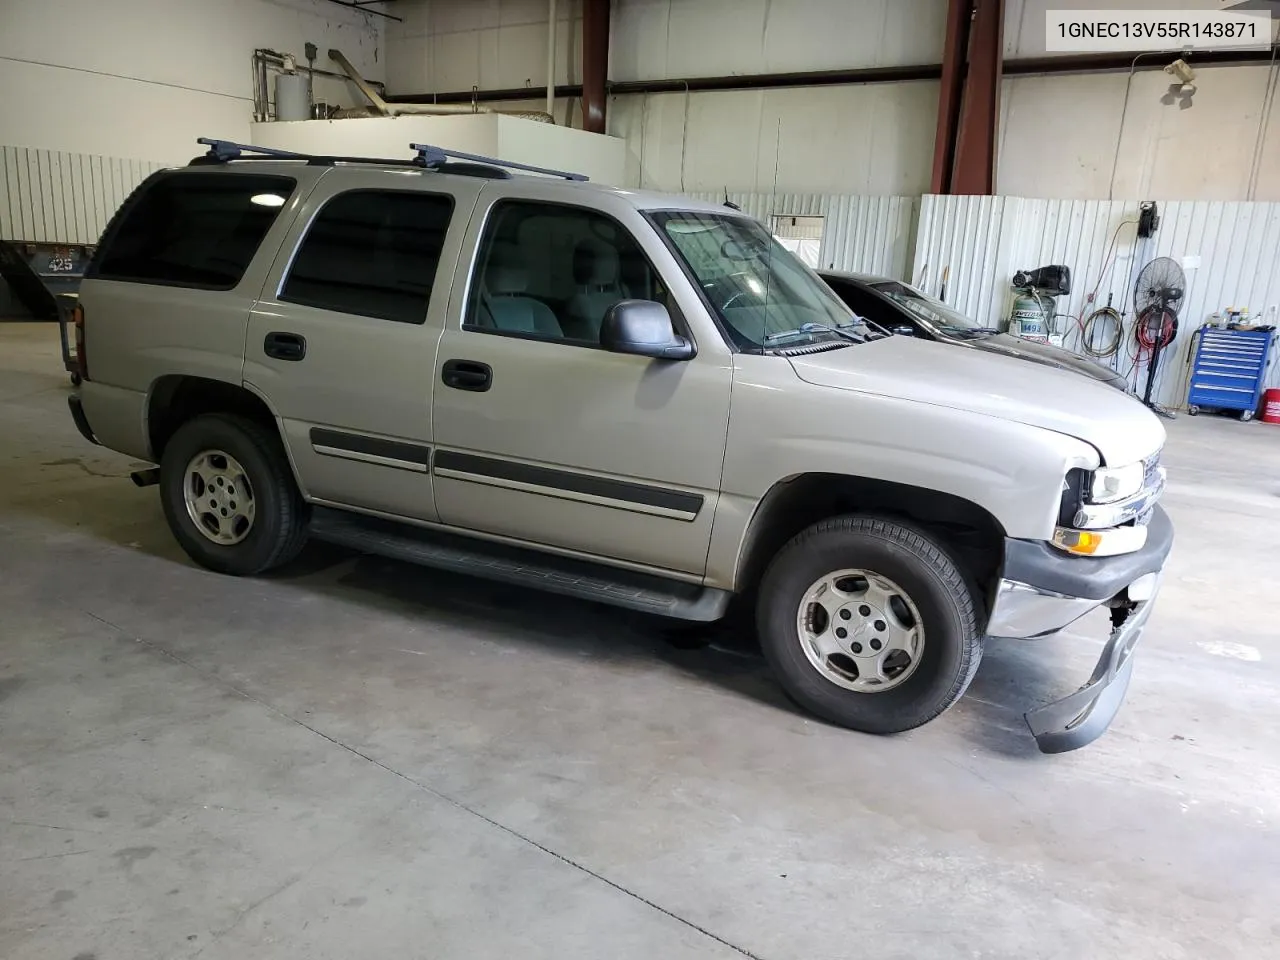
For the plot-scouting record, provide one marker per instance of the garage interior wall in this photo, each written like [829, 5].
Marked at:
[1069, 136]
[875, 139]
[860, 233]
[49, 196]
[1230, 252]
[1063, 135]
[141, 79]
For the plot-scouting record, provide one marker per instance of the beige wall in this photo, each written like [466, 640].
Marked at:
[143, 78]
[1059, 136]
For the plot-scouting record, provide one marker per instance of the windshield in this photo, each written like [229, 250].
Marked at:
[762, 292]
[933, 313]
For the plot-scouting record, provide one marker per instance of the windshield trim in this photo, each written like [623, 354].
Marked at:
[652, 215]
[820, 337]
[929, 322]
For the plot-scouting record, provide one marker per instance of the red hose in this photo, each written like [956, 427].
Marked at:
[1144, 331]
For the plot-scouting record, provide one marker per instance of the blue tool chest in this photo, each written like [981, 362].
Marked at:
[1228, 368]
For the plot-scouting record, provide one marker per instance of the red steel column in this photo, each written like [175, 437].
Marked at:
[964, 150]
[595, 63]
[954, 48]
[975, 162]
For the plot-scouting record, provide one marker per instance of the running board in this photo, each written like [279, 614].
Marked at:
[526, 568]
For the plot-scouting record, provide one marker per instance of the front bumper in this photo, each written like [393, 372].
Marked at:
[1044, 590]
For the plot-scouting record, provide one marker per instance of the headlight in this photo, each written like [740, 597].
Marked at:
[1110, 484]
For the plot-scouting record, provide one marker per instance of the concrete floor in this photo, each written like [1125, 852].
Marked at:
[359, 758]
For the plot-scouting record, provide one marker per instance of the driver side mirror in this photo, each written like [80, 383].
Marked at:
[643, 328]
[903, 330]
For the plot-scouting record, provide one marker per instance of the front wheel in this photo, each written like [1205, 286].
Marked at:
[229, 496]
[869, 624]
[1246, 416]
[1193, 410]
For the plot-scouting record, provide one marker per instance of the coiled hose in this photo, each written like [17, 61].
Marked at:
[1088, 333]
[1155, 324]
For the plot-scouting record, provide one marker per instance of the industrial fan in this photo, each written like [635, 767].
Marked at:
[1157, 295]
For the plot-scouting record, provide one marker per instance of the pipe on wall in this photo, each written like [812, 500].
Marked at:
[264, 58]
[551, 56]
[389, 110]
[1022, 66]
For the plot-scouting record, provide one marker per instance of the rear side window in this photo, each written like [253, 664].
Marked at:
[193, 229]
[372, 253]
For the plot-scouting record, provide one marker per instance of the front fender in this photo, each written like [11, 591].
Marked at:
[781, 430]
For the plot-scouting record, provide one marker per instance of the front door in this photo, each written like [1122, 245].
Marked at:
[342, 342]
[543, 436]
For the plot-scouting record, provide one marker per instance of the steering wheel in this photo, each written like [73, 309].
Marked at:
[740, 292]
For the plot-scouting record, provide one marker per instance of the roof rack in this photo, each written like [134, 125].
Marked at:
[436, 157]
[427, 156]
[224, 151]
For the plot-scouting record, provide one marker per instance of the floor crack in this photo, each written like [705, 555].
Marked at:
[428, 789]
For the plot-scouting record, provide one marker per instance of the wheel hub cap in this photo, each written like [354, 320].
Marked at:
[219, 497]
[860, 630]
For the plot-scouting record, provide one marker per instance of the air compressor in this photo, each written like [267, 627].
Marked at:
[1035, 302]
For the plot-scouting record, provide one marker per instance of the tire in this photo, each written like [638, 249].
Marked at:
[1246, 416]
[76, 380]
[277, 529]
[1193, 410]
[927, 579]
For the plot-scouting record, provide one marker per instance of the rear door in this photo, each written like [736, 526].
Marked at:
[342, 342]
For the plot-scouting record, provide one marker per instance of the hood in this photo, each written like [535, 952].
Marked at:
[1120, 427]
[1048, 354]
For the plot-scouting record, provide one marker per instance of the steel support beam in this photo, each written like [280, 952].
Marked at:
[954, 49]
[964, 150]
[595, 63]
[975, 164]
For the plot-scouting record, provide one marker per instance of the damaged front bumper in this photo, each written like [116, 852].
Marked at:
[1044, 590]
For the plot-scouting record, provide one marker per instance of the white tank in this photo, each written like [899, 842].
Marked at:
[292, 102]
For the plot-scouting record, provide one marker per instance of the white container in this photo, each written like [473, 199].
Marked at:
[292, 102]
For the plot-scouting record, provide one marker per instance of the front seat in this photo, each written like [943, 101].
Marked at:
[595, 272]
[505, 307]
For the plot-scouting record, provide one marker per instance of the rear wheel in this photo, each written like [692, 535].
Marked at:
[869, 624]
[1246, 415]
[229, 496]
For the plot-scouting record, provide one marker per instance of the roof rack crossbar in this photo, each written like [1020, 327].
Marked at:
[429, 156]
[224, 150]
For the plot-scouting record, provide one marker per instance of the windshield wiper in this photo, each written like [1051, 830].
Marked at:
[809, 328]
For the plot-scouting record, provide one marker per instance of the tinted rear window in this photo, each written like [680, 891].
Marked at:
[373, 253]
[193, 229]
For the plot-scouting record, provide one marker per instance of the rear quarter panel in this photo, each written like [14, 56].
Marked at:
[136, 333]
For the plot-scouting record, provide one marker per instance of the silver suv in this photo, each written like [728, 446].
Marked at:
[626, 397]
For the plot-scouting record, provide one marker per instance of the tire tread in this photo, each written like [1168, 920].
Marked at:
[290, 506]
[939, 565]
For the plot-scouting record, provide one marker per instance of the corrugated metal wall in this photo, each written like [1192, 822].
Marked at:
[865, 233]
[1231, 253]
[52, 197]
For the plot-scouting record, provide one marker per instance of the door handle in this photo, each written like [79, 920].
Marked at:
[284, 346]
[467, 375]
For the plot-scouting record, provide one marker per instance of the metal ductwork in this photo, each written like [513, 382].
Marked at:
[401, 109]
